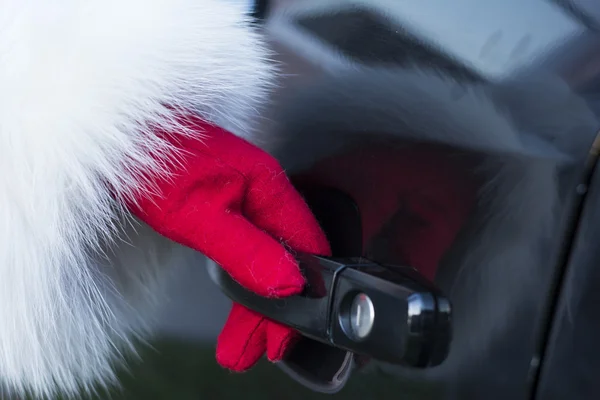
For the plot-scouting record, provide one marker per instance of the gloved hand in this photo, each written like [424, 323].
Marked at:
[232, 202]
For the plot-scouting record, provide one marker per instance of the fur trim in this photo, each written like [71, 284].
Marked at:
[527, 132]
[82, 82]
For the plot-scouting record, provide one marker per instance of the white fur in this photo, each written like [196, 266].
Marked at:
[81, 83]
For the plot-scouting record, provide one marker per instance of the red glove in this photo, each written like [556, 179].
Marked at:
[233, 202]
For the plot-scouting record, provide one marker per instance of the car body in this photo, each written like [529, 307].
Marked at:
[523, 275]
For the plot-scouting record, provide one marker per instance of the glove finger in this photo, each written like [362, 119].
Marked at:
[280, 340]
[252, 257]
[273, 204]
[243, 340]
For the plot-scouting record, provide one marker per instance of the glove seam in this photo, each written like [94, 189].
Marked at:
[247, 342]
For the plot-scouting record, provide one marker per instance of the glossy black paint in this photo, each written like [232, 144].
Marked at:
[525, 299]
[412, 318]
[572, 353]
[292, 312]
[411, 325]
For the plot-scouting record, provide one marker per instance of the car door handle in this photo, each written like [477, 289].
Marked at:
[388, 313]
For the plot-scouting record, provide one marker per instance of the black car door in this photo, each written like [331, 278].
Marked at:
[498, 98]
